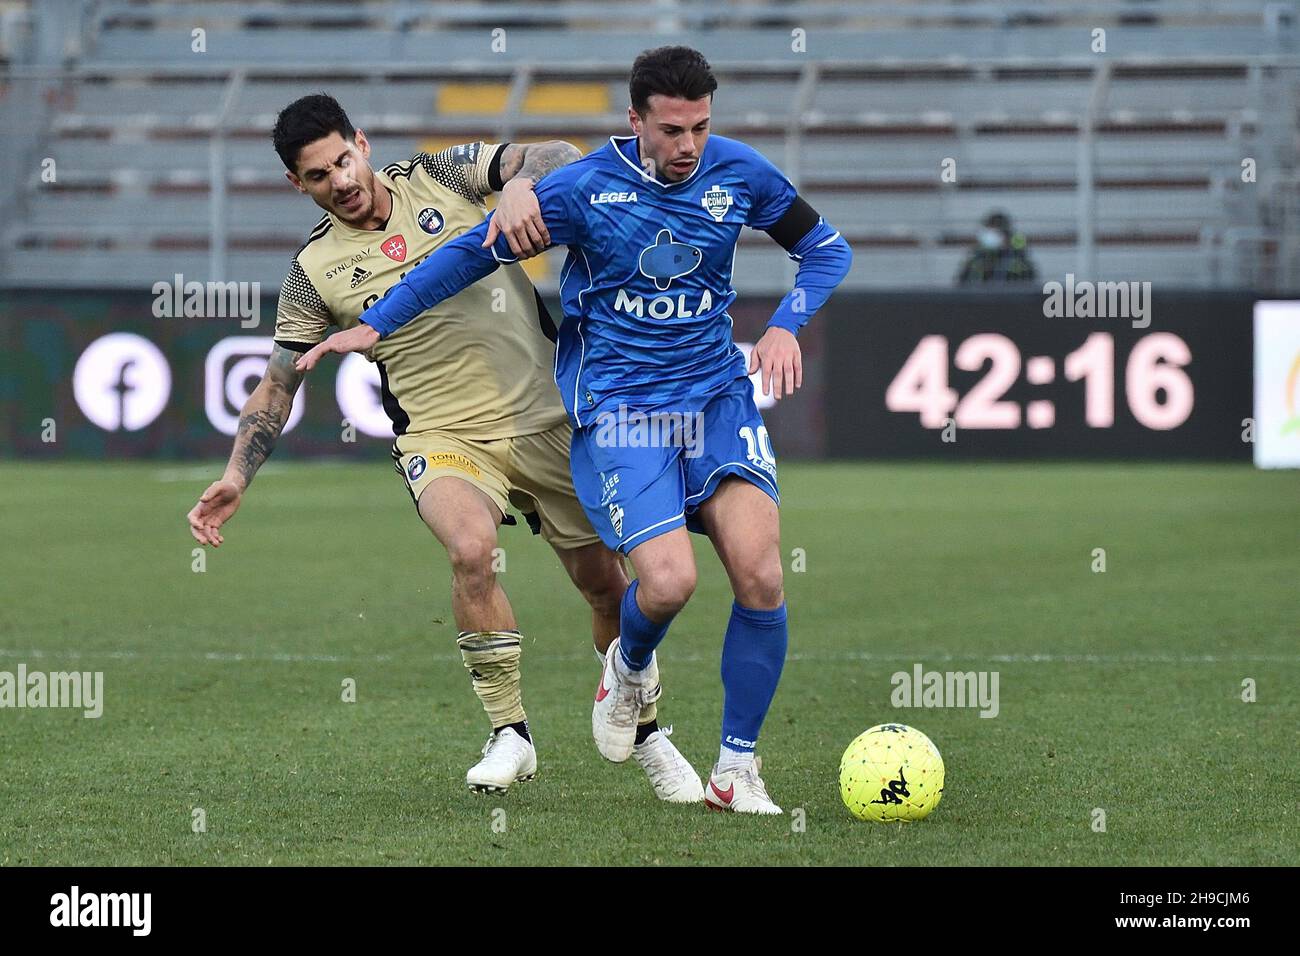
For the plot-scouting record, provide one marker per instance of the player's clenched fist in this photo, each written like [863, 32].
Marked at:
[777, 354]
[359, 338]
[216, 506]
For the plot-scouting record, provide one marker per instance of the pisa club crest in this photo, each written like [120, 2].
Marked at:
[395, 248]
[431, 220]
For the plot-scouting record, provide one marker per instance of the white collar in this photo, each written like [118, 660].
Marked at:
[615, 140]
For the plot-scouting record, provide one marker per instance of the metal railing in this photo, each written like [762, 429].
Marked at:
[1271, 80]
[676, 15]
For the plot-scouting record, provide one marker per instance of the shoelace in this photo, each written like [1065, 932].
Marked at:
[662, 762]
[495, 738]
[642, 695]
[628, 706]
[755, 783]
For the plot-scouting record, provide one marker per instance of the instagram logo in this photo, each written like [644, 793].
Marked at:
[231, 372]
[360, 396]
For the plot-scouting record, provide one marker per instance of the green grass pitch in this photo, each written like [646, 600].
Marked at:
[1118, 690]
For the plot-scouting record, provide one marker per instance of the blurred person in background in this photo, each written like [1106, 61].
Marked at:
[1001, 254]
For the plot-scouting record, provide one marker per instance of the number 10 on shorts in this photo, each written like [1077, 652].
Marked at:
[760, 447]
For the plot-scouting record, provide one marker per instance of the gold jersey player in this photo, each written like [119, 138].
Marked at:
[478, 421]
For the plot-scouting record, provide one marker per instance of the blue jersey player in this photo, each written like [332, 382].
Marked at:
[666, 433]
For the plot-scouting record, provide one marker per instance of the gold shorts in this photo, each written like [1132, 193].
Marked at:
[530, 472]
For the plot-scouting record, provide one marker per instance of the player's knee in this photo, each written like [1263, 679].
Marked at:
[605, 601]
[599, 577]
[762, 586]
[604, 593]
[665, 590]
[471, 558]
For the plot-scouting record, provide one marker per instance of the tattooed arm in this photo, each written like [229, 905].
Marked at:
[260, 424]
[534, 160]
[263, 417]
[517, 214]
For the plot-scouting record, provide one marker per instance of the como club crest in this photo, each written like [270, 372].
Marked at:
[395, 248]
[717, 201]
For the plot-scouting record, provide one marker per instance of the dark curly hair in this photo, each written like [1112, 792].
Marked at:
[306, 120]
[670, 71]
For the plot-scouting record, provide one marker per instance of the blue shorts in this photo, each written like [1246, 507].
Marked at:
[640, 473]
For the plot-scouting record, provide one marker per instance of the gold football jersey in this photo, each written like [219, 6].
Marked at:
[479, 364]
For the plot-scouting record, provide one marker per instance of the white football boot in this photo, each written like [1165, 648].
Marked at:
[507, 757]
[619, 699]
[673, 778]
[740, 791]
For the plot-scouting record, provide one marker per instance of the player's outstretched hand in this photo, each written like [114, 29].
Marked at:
[520, 217]
[777, 354]
[216, 506]
[359, 338]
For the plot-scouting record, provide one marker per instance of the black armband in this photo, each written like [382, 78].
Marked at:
[494, 170]
[294, 346]
[794, 224]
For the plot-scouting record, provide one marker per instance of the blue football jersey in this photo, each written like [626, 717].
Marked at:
[648, 278]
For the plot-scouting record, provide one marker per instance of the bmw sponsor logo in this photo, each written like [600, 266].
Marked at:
[431, 220]
[415, 467]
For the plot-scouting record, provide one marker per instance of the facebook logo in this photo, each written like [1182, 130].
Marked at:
[122, 381]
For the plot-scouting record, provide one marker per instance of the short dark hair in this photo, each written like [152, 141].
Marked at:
[997, 219]
[670, 71]
[306, 120]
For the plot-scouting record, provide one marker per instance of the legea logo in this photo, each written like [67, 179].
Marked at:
[121, 382]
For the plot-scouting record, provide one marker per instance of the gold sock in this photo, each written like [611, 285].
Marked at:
[651, 710]
[492, 658]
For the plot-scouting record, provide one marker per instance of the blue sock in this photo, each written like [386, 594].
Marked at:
[753, 654]
[638, 635]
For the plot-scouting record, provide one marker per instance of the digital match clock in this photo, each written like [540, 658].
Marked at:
[987, 374]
